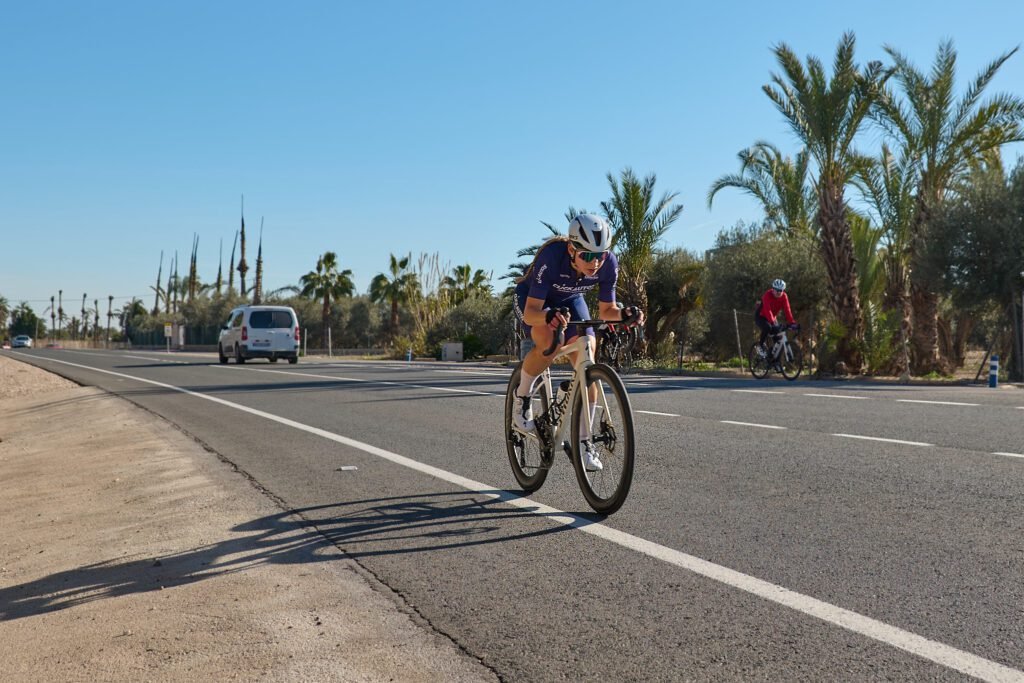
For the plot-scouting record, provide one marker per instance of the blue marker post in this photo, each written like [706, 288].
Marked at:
[993, 372]
[408, 355]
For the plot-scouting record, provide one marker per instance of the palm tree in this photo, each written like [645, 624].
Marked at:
[464, 283]
[327, 283]
[888, 185]
[638, 222]
[5, 312]
[395, 290]
[946, 136]
[778, 183]
[825, 115]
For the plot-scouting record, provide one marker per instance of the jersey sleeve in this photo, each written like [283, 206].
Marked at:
[545, 270]
[608, 277]
[787, 310]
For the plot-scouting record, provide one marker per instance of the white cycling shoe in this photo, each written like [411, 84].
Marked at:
[591, 462]
[522, 415]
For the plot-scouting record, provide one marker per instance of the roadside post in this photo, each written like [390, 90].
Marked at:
[408, 354]
[168, 333]
[993, 372]
[739, 344]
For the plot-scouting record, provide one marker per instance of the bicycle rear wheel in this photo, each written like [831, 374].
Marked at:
[792, 361]
[524, 452]
[758, 361]
[613, 437]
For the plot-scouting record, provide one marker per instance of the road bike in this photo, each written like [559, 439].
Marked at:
[561, 422]
[784, 356]
[615, 344]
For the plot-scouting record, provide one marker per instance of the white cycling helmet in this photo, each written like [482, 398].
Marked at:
[779, 285]
[590, 233]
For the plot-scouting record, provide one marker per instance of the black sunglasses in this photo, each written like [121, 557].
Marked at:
[590, 256]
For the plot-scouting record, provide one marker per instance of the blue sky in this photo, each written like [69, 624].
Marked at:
[372, 128]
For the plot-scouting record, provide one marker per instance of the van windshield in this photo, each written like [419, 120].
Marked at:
[261, 320]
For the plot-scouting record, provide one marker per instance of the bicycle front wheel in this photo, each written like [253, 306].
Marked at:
[524, 452]
[612, 436]
[758, 361]
[792, 361]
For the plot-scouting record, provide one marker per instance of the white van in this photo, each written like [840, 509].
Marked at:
[269, 332]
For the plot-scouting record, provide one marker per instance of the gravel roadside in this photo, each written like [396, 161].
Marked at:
[131, 553]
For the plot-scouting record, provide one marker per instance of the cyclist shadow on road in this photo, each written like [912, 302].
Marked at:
[426, 523]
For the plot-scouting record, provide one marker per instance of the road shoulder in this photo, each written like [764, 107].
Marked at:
[130, 552]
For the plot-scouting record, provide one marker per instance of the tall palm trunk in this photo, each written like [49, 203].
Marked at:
[897, 299]
[326, 318]
[394, 318]
[840, 264]
[924, 300]
[634, 293]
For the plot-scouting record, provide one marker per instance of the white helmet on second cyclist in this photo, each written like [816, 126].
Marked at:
[590, 233]
[779, 285]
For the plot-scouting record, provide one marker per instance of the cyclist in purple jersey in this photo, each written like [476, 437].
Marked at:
[563, 270]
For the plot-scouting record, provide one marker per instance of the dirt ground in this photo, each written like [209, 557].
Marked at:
[131, 553]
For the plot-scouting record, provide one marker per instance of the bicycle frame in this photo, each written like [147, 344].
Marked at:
[784, 348]
[584, 360]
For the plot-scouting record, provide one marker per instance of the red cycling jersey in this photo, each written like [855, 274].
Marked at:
[771, 305]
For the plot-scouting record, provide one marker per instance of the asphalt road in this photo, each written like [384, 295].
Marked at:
[775, 531]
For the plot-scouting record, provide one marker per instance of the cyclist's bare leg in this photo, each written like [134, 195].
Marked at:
[591, 390]
[536, 362]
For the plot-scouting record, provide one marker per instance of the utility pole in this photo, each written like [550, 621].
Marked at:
[96, 322]
[84, 318]
[60, 313]
[53, 317]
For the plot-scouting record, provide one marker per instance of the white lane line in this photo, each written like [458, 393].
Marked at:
[474, 372]
[362, 381]
[125, 355]
[751, 424]
[1010, 455]
[934, 651]
[652, 412]
[878, 438]
[859, 398]
[757, 391]
[936, 403]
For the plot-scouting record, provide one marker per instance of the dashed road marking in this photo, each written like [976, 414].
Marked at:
[751, 424]
[878, 438]
[654, 412]
[936, 403]
[859, 398]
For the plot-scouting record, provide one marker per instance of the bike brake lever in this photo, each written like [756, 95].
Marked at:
[557, 341]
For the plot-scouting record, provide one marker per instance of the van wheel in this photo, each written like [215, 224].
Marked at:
[293, 361]
[238, 355]
[220, 355]
[273, 360]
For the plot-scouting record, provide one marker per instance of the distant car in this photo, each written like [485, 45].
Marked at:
[22, 341]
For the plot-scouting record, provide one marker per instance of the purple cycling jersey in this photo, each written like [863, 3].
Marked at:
[554, 281]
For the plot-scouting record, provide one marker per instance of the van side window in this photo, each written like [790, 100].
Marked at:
[237, 320]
